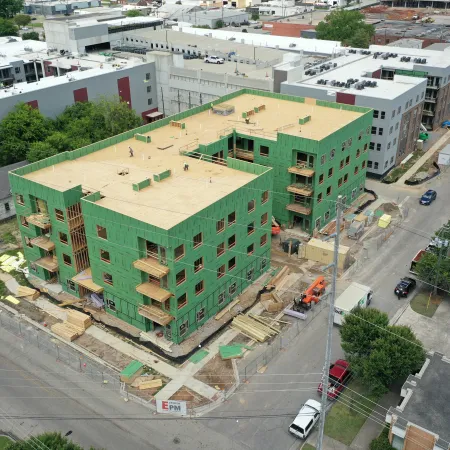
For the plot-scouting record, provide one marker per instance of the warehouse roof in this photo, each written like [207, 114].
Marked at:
[184, 193]
[5, 190]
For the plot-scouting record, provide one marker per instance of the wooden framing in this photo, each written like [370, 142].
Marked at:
[74, 216]
[81, 258]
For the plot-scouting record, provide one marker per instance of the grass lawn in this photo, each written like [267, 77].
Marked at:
[400, 170]
[37, 25]
[4, 441]
[423, 304]
[308, 447]
[6, 231]
[348, 415]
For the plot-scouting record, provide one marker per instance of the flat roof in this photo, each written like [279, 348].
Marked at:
[354, 292]
[185, 193]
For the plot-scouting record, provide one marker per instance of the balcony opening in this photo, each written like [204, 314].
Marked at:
[101, 232]
[104, 256]
[232, 241]
[221, 271]
[182, 301]
[181, 277]
[153, 280]
[151, 250]
[232, 218]
[179, 252]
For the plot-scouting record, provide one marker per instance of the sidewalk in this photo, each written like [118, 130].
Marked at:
[437, 146]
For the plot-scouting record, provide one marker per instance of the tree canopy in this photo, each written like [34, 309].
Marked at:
[379, 353]
[347, 27]
[9, 8]
[431, 268]
[32, 36]
[51, 441]
[26, 133]
[133, 13]
[22, 19]
[8, 27]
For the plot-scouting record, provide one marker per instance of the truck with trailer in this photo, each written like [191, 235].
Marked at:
[355, 295]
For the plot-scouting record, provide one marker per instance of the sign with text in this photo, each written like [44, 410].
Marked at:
[171, 407]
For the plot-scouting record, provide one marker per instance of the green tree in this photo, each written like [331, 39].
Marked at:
[40, 150]
[361, 39]
[432, 269]
[50, 441]
[382, 441]
[9, 8]
[8, 27]
[380, 354]
[133, 13]
[255, 16]
[31, 36]
[22, 19]
[18, 130]
[343, 25]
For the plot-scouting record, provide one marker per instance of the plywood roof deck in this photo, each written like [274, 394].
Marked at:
[169, 202]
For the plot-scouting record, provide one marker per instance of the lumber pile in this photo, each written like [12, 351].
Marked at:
[254, 327]
[78, 319]
[28, 293]
[278, 279]
[271, 302]
[227, 309]
[150, 384]
[66, 331]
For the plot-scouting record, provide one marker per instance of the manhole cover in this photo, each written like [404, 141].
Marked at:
[176, 440]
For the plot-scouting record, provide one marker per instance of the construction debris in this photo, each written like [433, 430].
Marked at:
[253, 329]
[28, 293]
[70, 302]
[233, 351]
[150, 384]
[275, 282]
[142, 379]
[227, 309]
[271, 302]
[298, 315]
[78, 319]
[66, 331]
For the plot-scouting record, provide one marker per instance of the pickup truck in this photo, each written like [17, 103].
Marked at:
[214, 60]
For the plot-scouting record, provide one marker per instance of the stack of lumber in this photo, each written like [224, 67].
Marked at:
[143, 383]
[227, 309]
[271, 302]
[276, 281]
[28, 293]
[78, 319]
[67, 331]
[254, 328]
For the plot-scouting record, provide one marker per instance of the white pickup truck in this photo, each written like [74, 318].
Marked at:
[214, 60]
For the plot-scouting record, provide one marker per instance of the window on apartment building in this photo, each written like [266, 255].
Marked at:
[372, 146]
[232, 218]
[250, 228]
[220, 225]
[198, 264]
[250, 274]
[264, 197]
[368, 131]
[250, 249]
[107, 278]
[181, 301]
[380, 131]
[326, 215]
[332, 153]
[200, 314]
[263, 240]
[104, 256]
[345, 178]
[251, 206]
[417, 98]
[263, 263]
[232, 263]
[180, 277]
[198, 240]
[369, 164]
[321, 177]
[392, 160]
[330, 172]
[24, 221]
[221, 271]
[147, 76]
[389, 145]
[365, 147]
[375, 166]
[329, 190]
[149, 101]
[263, 150]
[149, 88]
[340, 182]
[358, 153]
[393, 114]
[264, 218]
[184, 327]
[341, 164]
[423, 93]
[67, 260]
[232, 241]
[199, 287]
[19, 199]
[322, 160]
[375, 113]
[399, 110]
[59, 215]
[319, 197]
[221, 249]
[394, 141]
[363, 166]
[63, 237]
[101, 232]
[221, 297]
[353, 193]
[71, 285]
[347, 160]
[111, 304]
[179, 252]
[374, 130]
[356, 170]
[317, 224]
[397, 125]
[232, 288]
[391, 130]
[382, 114]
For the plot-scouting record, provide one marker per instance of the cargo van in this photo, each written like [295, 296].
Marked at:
[355, 295]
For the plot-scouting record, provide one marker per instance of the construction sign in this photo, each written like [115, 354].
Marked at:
[171, 407]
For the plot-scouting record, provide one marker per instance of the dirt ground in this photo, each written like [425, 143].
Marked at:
[387, 13]
[186, 395]
[217, 373]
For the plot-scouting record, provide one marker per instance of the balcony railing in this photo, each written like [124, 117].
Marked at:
[49, 263]
[426, 112]
[40, 220]
[299, 208]
[302, 169]
[154, 292]
[43, 242]
[151, 266]
[155, 314]
[244, 154]
[301, 189]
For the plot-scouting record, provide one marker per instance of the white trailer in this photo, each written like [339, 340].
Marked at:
[355, 295]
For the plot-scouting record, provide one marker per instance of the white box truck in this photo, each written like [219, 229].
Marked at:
[355, 295]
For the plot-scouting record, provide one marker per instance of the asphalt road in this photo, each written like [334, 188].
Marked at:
[34, 384]
[284, 387]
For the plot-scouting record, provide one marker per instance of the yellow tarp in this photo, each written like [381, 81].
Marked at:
[3, 258]
[384, 221]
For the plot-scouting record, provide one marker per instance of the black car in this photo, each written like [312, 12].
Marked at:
[405, 286]
[189, 56]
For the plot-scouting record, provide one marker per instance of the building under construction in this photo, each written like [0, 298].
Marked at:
[169, 222]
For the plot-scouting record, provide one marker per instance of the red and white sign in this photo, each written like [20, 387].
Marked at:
[171, 407]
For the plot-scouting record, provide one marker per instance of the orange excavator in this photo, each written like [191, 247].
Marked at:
[311, 295]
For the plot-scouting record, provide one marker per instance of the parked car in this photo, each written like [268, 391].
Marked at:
[405, 287]
[306, 418]
[214, 60]
[189, 56]
[446, 124]
[339, 375]
[428, 198]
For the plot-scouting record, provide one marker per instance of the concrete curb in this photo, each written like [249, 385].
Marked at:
[398, 314]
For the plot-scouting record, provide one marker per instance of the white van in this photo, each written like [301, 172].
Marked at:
[355, 295]
[306, 418]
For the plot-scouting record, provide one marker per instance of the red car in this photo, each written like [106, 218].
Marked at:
[339, 375]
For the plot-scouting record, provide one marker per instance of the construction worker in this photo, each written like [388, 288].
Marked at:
[186, 166]
[131, 152]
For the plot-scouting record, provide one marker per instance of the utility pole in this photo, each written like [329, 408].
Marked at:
[162, 99]
[179, 107]
[326, 367]
[190, 106]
